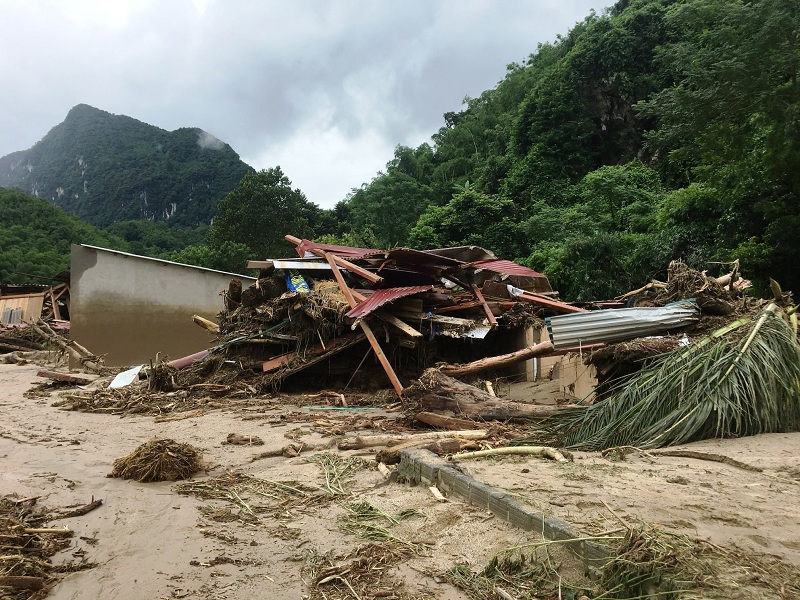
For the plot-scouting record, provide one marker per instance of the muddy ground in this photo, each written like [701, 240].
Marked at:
[149, 541]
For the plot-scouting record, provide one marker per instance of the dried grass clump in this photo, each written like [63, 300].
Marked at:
[158, 460]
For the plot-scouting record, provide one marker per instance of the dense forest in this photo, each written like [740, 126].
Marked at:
[35, 238]
[661, 129]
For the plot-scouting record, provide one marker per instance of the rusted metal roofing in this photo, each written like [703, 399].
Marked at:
[464, 253]
[505, 266]
[384, 296]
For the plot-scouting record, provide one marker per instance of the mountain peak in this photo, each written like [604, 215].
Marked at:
[106, 168]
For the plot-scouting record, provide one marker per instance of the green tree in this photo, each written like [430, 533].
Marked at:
[731, 121]
[470, 218]
[259, 212]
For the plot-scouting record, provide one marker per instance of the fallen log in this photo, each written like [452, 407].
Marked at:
[708, 456]
[80, 511]
[371, 441]
[445, 422]
[22, 343]
[75, 350]
[442, 447]
[497, 362]
[205, 323]
[436, 392]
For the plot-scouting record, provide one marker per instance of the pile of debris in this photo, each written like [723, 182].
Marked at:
[437, 325]
[414, 309]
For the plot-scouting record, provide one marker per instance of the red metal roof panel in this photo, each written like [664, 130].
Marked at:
[384, 296]
[505, 266]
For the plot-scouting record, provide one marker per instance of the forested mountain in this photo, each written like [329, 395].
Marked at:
[659, 130]
[35, 238]
[662, 129]
[107, 168]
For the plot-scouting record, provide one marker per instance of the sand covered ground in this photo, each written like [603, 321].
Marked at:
[149, 541]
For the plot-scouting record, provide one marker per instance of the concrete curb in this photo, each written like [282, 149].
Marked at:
[422, 466]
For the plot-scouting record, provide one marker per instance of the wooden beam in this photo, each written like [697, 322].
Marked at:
[401, 325]
[456, 307]
[298, 264]
[477, 291]
[340, 262]
[376, 347]
[549, 303]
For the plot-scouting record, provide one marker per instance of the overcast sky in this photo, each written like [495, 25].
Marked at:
[325, 89]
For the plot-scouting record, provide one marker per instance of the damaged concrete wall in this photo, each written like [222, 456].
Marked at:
[129, 307]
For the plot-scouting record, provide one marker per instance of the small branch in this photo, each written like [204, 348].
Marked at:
[545, 451]
[80, 511]
[707, 456]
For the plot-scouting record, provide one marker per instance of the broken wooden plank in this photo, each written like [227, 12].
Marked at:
[488, 311]
[550, 303]
[66, 377]
[401, 325]
[277, 362]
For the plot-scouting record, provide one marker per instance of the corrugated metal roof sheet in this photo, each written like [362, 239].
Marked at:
[381, 297]
[617, 325]
[505, 266]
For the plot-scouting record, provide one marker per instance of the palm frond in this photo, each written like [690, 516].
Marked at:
[727, 385]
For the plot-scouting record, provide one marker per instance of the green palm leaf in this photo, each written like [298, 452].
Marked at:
[726, 385]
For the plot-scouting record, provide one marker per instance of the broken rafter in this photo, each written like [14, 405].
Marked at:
[549, 303]
[339, 262]
[488, 311]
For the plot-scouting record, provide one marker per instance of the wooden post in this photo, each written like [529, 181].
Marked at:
[489, 315]
[376, 347]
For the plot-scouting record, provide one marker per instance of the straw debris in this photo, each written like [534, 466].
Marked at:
[158, 460]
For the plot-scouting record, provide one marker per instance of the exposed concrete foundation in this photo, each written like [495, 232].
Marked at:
[423, 466]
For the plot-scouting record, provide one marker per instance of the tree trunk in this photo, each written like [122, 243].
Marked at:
[497, 362]
[436, 392]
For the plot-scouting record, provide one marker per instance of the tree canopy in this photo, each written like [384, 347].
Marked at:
[658, 130]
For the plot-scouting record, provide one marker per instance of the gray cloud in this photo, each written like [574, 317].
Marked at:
[325, 89]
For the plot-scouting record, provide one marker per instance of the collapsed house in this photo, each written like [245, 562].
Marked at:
[363, 318]
[411, 309]
[20, 303]
[452, 331]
